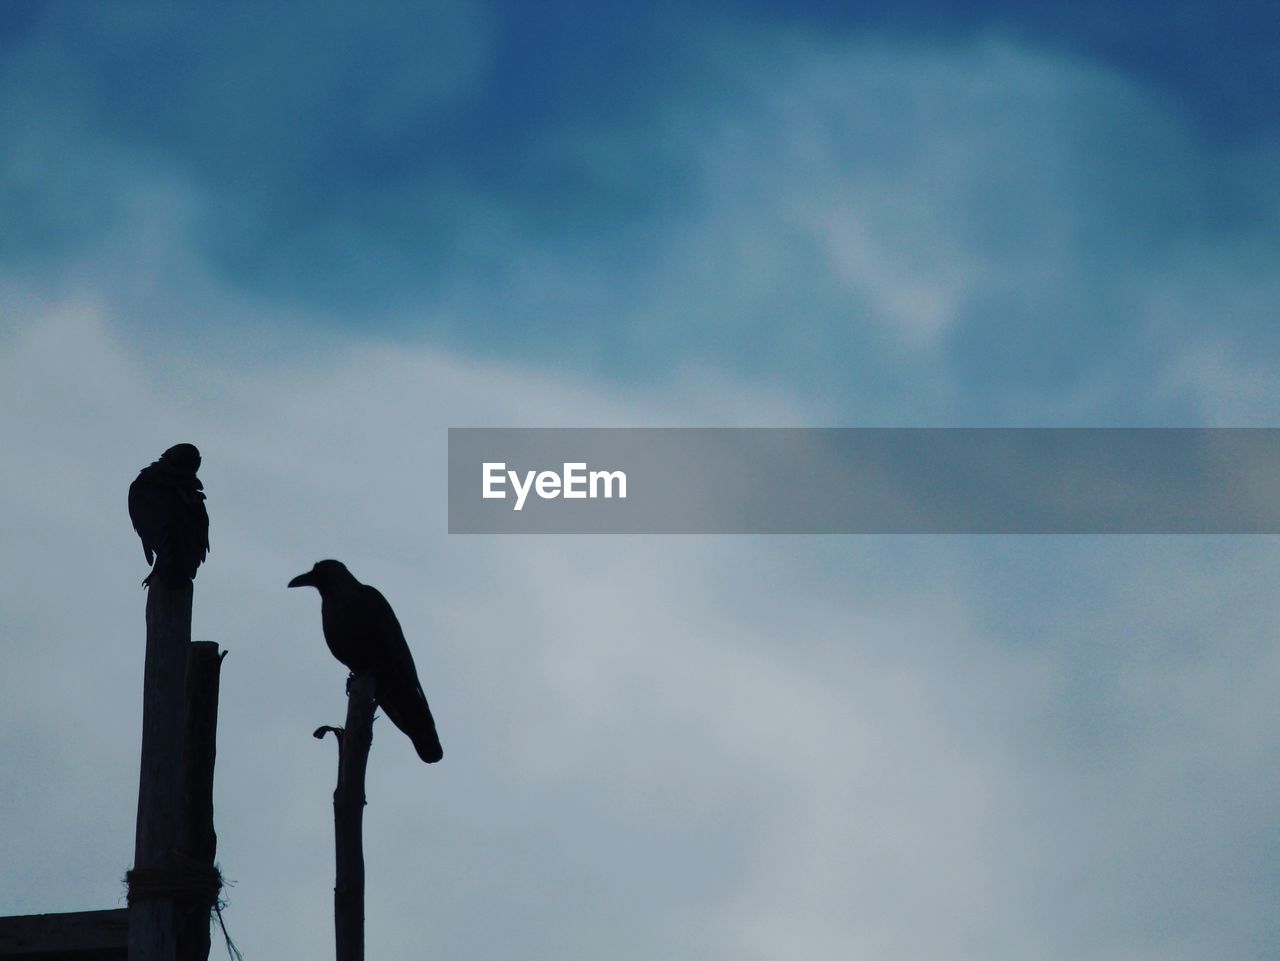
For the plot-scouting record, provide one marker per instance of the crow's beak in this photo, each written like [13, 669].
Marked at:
[303, 580]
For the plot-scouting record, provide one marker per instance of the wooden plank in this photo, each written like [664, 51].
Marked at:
[73, 936]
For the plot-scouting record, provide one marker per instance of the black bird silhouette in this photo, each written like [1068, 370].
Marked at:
[362, 632]
[166, 505]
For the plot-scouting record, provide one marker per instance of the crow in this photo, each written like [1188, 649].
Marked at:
[362, 632]
[166, 505]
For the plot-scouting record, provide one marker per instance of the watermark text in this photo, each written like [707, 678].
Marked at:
[575, 482]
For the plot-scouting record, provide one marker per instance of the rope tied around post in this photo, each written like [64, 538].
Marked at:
[185, 879]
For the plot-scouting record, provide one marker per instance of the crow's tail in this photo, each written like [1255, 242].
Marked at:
[408, 710]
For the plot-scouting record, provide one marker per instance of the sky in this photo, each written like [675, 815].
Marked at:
[310, 238]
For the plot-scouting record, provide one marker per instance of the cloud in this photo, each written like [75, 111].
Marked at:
[665, 747]
[315, 455]
[906, 232]
[654, 746]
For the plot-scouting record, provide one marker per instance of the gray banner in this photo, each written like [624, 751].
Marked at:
[864, 481]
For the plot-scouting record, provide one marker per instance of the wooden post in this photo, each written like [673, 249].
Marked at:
[151, 915]
[197, 840]
[348, 816]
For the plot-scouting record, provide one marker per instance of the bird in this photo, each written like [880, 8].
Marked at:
[363, 633]
[166, 506]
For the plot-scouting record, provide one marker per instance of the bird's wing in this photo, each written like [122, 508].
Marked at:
[189, 531]
[399, 692]
[147, 512]
[389, 648]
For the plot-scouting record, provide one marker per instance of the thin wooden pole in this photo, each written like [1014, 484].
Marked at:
[348, 816]
[197, 841]
[151, 918]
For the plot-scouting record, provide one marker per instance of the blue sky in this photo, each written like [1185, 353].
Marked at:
[309, 239]
[375, 163]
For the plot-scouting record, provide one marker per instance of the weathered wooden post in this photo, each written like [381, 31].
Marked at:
[152, 935]
[173, 884]
[348, 816]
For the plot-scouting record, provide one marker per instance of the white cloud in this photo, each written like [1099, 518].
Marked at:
[654, 747]
[904, 748]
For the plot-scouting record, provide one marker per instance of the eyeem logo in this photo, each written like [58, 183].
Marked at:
[576, 483]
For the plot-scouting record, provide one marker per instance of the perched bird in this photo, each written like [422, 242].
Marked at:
[166, 505]
[362, 632]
